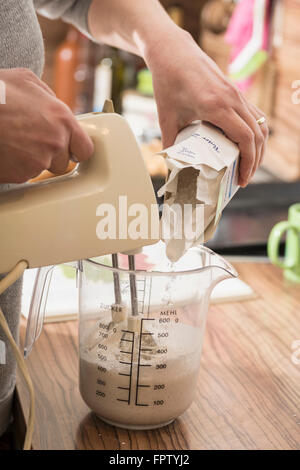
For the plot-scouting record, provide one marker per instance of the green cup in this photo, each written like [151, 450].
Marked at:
[291, 262]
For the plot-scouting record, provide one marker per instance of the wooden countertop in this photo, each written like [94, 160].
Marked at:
[248, 393]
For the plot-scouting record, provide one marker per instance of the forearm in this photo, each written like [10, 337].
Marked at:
[138, 26]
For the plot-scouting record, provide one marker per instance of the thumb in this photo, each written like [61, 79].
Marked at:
[169, 131]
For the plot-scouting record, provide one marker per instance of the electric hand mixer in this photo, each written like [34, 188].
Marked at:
[54, 221]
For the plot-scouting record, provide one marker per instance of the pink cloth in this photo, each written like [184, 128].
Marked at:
[239, 31]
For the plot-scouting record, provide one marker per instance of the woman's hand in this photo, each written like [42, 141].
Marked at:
[189, 86]
[37, 131]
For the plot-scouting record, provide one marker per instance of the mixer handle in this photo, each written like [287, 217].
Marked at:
[37, 307]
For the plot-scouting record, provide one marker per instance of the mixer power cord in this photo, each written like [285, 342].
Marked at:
[5, 283]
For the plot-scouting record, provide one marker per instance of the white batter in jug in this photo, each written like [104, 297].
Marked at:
[140, 387]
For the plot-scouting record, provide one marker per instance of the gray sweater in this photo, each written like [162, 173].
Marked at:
[21, 45]
[20, 35]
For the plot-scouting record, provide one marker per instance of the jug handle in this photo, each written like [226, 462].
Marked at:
[38, 304]
[37, 307]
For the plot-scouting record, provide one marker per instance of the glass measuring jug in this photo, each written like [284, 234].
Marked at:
[140, 371]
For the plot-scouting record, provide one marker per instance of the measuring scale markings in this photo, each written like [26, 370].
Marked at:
[130, 363]
[141, 289]
[139, 365]
[125, 340]
[142, 349]
[136, 353]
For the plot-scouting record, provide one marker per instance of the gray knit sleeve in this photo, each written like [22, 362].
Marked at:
[71, 11]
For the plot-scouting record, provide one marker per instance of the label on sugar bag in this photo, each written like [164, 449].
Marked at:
[203, 171]
[228, 188]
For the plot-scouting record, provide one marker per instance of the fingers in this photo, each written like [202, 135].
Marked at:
[241, 133]
[169, 127]
[250, 120]
[59, 164]
[169, 135]
[251, 114]
[48, 134]
[257, 113]
[239, 122]
[79, 148]
[43, 86]
[81, 145]
[74, 144]
[31, 77]
[60, 159]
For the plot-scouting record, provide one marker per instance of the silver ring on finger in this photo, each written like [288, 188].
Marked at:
[261, 120]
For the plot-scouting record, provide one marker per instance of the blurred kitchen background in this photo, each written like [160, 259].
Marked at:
[264, 64]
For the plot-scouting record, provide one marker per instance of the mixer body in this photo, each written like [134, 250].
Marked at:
[57, 220]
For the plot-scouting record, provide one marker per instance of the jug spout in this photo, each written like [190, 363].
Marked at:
[221, 273]
[221, 269]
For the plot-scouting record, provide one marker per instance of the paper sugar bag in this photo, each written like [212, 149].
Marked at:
[202, 178]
